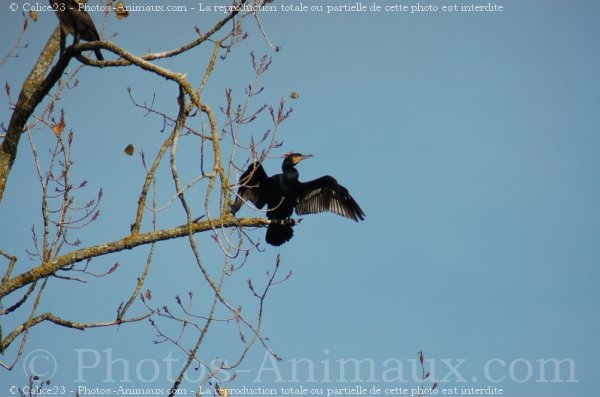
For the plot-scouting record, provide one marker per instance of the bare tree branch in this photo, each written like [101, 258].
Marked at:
[62, 214]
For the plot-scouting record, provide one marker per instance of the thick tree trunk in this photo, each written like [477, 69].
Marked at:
[34, 89]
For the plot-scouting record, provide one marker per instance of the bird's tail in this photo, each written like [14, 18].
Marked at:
[98, 55]
[279, 234]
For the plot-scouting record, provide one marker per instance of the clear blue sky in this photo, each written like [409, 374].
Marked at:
[470, 140]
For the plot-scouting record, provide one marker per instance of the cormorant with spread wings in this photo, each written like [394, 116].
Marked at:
[284, 193]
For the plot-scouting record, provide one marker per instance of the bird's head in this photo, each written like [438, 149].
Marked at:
[295, 158]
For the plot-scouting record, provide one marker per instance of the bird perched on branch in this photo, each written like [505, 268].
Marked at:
[283, 193]
[76, 21]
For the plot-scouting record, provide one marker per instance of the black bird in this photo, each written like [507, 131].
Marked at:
[283, 193]
[77, 22]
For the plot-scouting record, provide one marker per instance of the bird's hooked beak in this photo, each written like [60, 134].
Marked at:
[304, 157]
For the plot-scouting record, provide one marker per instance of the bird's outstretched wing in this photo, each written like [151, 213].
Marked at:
[325, 194]
[252, 184]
